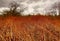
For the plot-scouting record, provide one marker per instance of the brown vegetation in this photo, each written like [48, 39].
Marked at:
[29, 28]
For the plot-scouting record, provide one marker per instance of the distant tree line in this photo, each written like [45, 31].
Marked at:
[14, 6]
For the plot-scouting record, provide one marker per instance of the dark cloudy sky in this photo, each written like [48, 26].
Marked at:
[32, 6]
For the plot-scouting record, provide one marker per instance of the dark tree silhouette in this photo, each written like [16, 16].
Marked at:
[13, 7]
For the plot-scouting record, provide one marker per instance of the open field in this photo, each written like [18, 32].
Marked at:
[30, 28]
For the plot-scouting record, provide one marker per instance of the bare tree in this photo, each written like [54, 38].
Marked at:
[57, 7]
[13, 7]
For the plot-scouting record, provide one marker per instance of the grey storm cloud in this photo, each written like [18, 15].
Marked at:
[32, 6]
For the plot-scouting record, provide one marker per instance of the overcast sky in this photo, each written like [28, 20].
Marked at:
[32, 6]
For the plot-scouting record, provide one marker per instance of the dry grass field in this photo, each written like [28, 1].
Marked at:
[30, 28]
